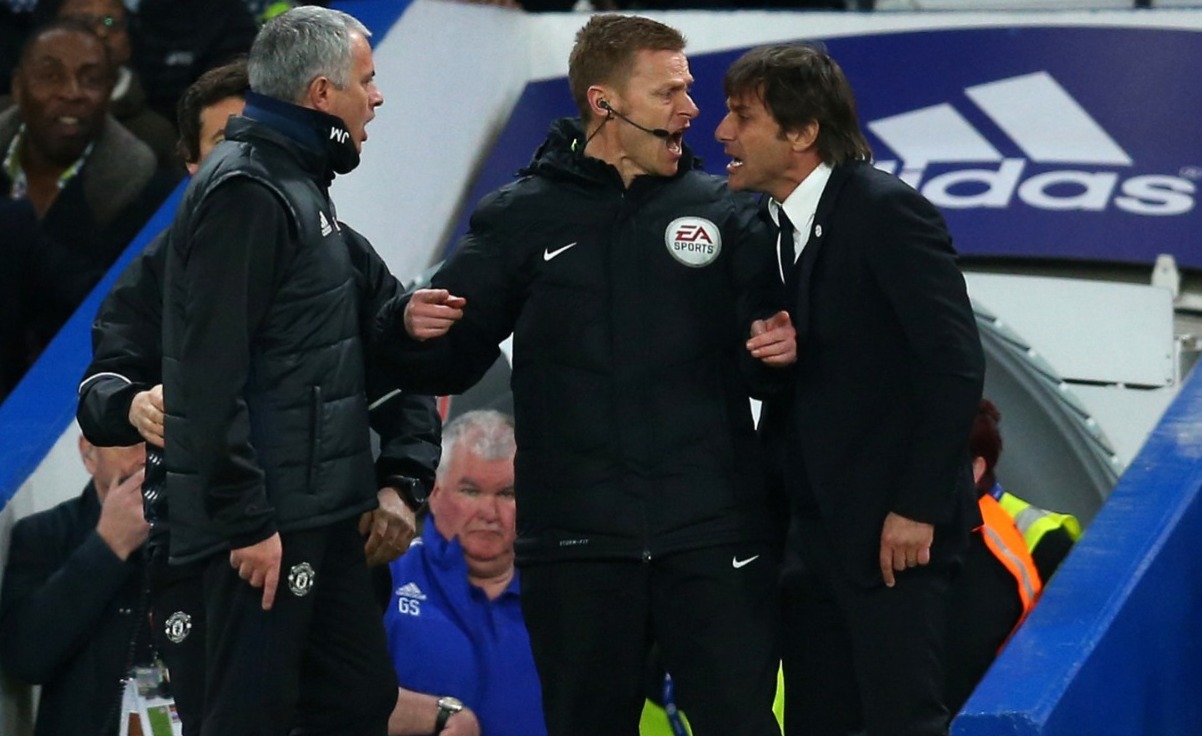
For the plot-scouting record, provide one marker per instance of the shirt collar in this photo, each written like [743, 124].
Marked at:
[514, 589]
[12, 165]
[802, 202]
[16, 174]
[448, 555]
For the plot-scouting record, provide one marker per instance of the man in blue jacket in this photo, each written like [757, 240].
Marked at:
[455, 628]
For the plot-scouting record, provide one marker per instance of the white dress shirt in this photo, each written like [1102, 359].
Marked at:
[801, 205]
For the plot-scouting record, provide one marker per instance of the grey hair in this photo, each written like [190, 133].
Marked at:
[296, 47]
[486, 433]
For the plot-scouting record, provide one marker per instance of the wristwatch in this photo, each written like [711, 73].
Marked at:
[411, 490]
[447, 707]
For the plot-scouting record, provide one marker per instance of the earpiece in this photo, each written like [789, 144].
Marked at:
[657, 132]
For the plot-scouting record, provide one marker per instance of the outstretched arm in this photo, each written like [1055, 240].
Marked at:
[118, 404]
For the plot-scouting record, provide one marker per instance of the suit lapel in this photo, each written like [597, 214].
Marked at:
[799, 279]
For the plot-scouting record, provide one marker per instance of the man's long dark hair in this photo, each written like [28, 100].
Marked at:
[800, 84]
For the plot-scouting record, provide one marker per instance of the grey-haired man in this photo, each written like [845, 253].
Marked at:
[268, 455]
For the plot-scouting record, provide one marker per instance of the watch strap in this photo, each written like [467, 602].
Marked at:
[445, 712]
[411, 490]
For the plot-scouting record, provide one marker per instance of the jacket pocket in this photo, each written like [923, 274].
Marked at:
[316, 412]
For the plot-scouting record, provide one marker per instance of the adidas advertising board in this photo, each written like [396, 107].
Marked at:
[1042, 142]
[1082, 143]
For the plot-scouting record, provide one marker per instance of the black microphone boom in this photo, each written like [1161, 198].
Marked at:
[657, 132]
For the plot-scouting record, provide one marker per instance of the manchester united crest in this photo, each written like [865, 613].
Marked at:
[301, 579]
[177, 627]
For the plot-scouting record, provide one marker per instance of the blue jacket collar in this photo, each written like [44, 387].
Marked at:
[314, 131]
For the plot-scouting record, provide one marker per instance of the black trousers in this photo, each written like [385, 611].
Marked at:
[860, 659]
[317, 662]
[177, 617]
[592, 625]
[984, 607]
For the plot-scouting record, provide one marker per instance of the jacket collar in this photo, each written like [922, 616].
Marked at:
[90, 498]
[447, 556]
[321, 141]
[798, 279]
[826, 204]
[839, 176]
[118, 166]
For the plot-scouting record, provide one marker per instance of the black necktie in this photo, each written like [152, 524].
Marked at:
[786, 243]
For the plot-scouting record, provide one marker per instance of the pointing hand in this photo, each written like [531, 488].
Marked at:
[431, 313]
[773, 340]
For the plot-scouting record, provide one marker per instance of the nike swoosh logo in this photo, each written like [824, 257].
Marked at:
[549, 254]
[736, 563]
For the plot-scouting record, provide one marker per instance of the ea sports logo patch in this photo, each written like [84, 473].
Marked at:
[694, 241]
[301, 579]
[177, 627]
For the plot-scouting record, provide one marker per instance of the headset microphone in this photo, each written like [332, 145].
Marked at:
[657, 132]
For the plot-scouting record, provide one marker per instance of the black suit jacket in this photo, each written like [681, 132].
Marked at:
[888, 376]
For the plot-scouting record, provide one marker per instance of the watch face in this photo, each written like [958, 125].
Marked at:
[412, 491]
[451, 704]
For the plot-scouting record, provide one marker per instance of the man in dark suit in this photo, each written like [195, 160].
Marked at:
[871, 441]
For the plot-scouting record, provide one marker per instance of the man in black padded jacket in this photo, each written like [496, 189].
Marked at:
[120, 403]
[268, 456]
